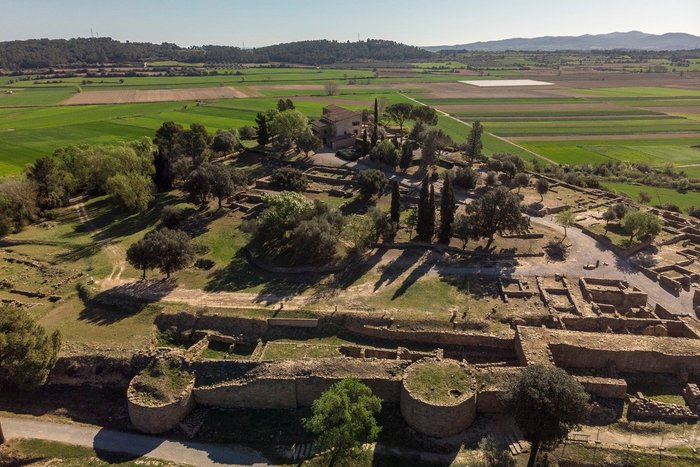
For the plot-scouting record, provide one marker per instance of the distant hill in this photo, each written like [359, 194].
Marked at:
[633, 40]
[44, 53]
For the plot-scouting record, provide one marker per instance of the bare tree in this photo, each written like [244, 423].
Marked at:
[331, 88]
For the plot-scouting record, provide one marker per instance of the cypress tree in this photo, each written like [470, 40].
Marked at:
[447, 211]
[263, 134]
[365, 143]
[375, 128]
[423, 232]
[431, 212]
[406, 155]
[395, 204]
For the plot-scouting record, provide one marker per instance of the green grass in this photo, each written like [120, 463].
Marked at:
[440, 383]
[584, 127]
[658, 195]
[632, 91]
[160, 383]
[293, 350]
[31, 451]
[33, 97]
[653, 151]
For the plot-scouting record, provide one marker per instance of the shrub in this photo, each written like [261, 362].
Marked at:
[466, 178]
[371, 182]
[247, 133]
[172, 216]
[289, 179]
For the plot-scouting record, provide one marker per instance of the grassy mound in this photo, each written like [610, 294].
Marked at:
[439, 382]
[160, 383]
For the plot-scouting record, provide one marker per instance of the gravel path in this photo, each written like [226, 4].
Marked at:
[183, 452]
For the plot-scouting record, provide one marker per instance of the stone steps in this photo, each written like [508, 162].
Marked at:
[302, 451]
[515, 445]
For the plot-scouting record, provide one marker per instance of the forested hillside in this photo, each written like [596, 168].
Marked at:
[43, 53]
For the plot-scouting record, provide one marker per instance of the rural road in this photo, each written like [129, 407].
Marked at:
[182, 452]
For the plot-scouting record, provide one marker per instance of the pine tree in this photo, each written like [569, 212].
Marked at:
[375, 128]
[447, 211]
[395, 204]
[423, 231]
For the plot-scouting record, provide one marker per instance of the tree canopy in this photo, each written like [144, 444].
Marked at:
[498, 211]
[641, 224]
[27, 352]
[547, 404]
[344, 418]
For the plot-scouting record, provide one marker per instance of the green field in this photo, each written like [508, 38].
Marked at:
[632, 91]
[651, 151]
[658, 195]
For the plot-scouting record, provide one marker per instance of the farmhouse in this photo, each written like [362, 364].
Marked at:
[338, 127]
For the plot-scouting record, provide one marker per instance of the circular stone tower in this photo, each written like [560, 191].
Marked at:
[438, 397]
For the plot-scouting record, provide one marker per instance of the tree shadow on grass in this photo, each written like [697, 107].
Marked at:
[418, 272]
[271, 288]
[116, 222]
[398, 266]
[124, 301]
[358, 205]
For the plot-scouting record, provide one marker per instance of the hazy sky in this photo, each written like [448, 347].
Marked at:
[264, 22]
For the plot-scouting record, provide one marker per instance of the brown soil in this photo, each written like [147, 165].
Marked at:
[130, 96]
[532, 107]
[461, 90]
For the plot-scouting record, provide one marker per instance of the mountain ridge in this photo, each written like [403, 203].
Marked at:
[630, 40]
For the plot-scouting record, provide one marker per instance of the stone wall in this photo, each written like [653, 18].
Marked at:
[612, 292]
[156, 419]
[290, 384]
[598, 351]
[604, 387]
[691, 394]
[622, 325]
[641, 408]
[440, 338]
[97, 370]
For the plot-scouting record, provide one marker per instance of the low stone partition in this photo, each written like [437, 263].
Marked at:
[97, 370]
[400, 353]
[643, 409]
[624, 325]
[611, 388]
[439, 415]
[439, 338]
[612, 292]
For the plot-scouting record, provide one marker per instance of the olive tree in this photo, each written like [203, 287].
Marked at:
[547, 403]
[344, 418]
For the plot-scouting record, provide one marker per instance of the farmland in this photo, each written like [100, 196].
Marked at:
[581, 119]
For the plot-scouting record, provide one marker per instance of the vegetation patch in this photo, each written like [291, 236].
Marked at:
[160, 383]
[439, 382]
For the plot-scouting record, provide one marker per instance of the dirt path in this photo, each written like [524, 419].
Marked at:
[115, 253]
[103, 439]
